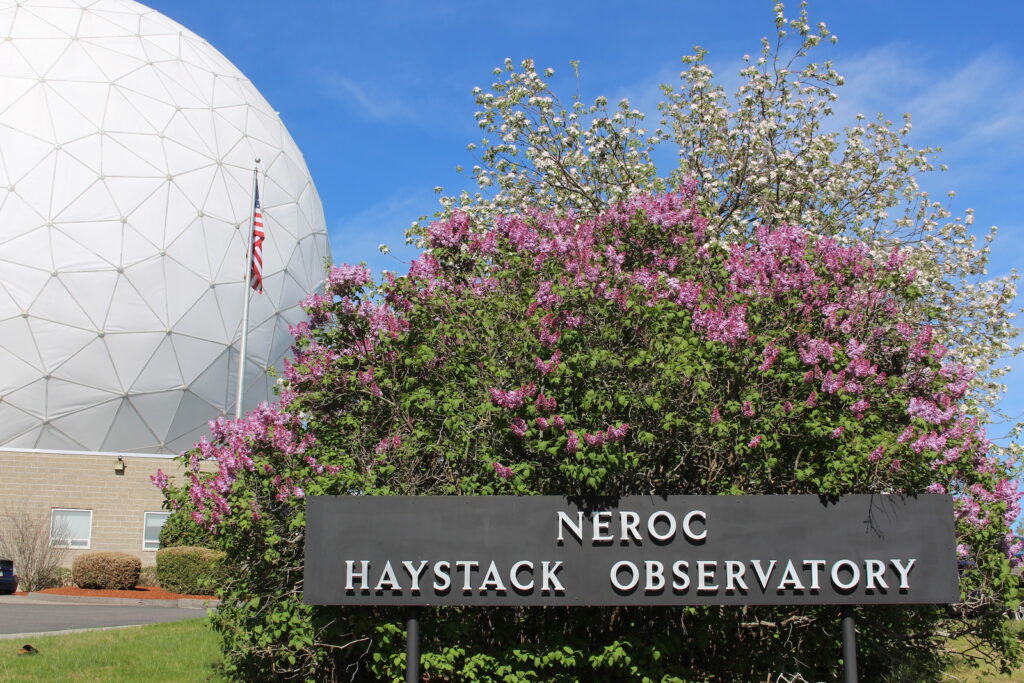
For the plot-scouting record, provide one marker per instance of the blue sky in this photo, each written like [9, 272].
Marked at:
[377, 94]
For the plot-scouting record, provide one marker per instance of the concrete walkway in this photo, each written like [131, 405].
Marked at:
[22, 617]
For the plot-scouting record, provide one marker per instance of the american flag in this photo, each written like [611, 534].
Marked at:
[256, 263]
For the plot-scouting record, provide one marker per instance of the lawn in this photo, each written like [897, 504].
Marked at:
[178, 651]
[958, 671]
[187, 651]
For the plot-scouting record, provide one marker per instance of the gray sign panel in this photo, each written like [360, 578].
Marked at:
[639, 550]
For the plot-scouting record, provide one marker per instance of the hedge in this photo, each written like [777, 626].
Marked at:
[117, 571]
[189, 570]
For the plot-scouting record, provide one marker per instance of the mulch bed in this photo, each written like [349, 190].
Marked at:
[141, 592]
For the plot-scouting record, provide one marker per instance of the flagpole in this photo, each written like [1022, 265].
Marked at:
[246, 286]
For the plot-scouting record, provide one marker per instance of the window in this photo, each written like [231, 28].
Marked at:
[70, 528]
[151, 529]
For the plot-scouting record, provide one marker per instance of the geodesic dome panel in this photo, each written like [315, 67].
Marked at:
[127, 145]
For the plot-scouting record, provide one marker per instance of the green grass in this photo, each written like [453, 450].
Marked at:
[960, 671]
[178, 651]
[187, 651]
[963, 673]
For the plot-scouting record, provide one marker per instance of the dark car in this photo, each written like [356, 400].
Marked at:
[8, 579]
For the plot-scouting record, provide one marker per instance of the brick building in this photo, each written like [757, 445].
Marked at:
[101, 501]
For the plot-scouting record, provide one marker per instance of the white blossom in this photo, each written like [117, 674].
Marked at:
[761, 154]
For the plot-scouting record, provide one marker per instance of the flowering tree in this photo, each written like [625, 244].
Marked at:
[633, 351]
[769, 154]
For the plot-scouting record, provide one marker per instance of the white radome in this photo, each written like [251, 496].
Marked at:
[127, 145]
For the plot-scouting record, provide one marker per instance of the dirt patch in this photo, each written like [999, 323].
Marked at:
[139, 593]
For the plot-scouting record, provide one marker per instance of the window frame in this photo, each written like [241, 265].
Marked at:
[70, 542]
[145, 516]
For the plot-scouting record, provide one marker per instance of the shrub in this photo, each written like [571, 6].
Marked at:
[189, 570]
[60, 577]
[181, 530]
[117, 571]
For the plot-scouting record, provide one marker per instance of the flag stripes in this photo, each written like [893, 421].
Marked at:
[256, 263]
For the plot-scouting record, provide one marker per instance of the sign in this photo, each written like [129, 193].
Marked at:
[638, 550]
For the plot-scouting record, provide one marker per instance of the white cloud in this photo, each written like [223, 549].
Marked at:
[408, 100]
[975, 110]
[356, 238]
[875, 78]
[367, 100]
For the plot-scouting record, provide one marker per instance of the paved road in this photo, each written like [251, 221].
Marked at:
[22, 615]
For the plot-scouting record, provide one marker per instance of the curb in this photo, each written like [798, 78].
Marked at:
[190, 603]
[42, 634]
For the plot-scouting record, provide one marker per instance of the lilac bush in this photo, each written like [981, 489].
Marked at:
[633, 351]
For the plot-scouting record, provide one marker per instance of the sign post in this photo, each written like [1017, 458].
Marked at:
[637, 550]
[412, 646]
[849, 646]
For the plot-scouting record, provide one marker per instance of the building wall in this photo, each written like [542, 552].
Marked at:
[39, 481]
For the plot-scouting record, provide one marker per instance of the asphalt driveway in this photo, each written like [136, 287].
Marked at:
[20, 615]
